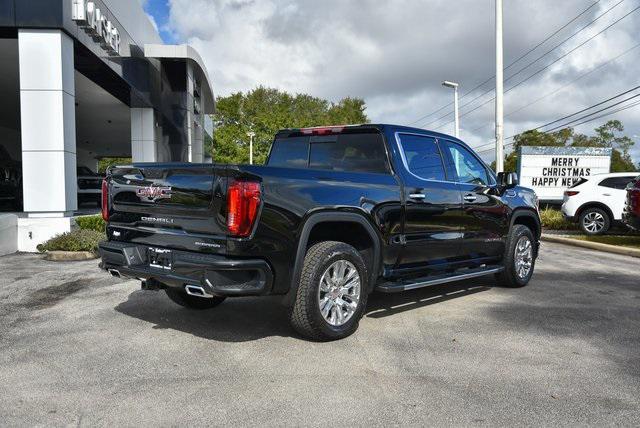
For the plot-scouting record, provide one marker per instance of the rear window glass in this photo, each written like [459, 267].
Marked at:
[349, 152]
[578, 182]
[290, 152]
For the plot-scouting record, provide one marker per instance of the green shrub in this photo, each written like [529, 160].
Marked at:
[76, 240]
[91, 222]
[553, 219]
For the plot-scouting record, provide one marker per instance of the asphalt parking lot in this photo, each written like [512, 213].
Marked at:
[79, 347]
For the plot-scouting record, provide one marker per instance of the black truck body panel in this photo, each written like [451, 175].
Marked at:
[408, 236]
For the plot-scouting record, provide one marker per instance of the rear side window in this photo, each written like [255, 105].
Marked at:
[619, 183]
[290, 152]
[422, 157]
[578, 182]
[349, 152]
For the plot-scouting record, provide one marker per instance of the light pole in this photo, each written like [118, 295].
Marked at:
[456, 118]
[251, 134]
[499, 91]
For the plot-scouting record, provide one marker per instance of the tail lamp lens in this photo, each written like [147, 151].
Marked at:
[571, 193]
[105, 200]
[243, 202]
[635, 201]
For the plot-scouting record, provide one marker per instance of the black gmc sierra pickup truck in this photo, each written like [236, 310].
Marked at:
[336, 213]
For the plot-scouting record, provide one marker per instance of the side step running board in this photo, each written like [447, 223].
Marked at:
[398, 286]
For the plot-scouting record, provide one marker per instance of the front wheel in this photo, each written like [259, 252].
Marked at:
[332, 294]
[183, 299]
[519, 258]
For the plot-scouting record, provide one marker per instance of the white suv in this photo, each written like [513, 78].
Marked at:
[597, 201]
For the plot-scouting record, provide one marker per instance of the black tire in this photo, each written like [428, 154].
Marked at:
[509, 276]
[305, 314]
[595, 221]
[183, 299]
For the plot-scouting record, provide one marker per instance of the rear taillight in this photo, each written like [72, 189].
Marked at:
[570, 193]
[634, 198]
[105, 201]
[243, 203]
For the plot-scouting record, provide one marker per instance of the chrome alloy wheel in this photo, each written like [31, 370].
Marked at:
[339, 292]
[524, 257]
[593, 222]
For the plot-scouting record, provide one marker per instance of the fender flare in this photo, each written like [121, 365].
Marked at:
[523, 212]
[324, 217]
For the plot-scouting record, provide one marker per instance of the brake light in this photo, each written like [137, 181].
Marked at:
[243, 202]
[634, 196]
[322, 130]
[105, 200]
[570, 193]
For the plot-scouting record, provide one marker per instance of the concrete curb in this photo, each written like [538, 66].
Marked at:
[625, 251]
[69, 256]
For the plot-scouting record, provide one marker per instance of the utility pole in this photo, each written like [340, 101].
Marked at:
[499, 91]
[251, 134]
[456, 117]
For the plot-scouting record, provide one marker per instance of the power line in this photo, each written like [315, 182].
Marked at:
[580, 119]
[604, 64]
[563, 42]
[564, 125]
[512, 63]
[545, 67]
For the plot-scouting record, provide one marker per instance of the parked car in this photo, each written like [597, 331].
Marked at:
[631, 212]
[596, 202]
[89, 185]
[10, 181]
[334, 214]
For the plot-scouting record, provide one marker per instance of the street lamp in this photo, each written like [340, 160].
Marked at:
[455, 106]
[251, 134]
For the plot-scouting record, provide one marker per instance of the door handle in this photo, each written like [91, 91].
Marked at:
[606, 194]
[417, 196]
[469, 198]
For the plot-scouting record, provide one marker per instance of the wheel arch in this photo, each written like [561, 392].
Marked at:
[595, 204]
[315, 222]
[527, 218]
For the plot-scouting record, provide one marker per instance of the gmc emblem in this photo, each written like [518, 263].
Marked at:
[152, 194]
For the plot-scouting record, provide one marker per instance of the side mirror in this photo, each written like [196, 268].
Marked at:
[507, 179]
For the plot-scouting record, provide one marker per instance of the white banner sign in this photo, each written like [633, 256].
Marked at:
[551, 170]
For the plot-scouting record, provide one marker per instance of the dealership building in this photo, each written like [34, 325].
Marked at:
[82, 80]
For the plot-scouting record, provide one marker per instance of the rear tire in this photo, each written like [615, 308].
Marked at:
[332, 294]
[519, 258]
[595, 221]
[183, 299]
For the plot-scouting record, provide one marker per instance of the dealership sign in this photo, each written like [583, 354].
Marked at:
[95, 23]
[550, 170]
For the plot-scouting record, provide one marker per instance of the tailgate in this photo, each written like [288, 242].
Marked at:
[169, 205]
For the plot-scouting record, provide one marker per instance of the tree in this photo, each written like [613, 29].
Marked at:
[606, 135]
[267, 110]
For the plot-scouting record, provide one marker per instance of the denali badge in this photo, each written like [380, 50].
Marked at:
[152, 194]
[157, 219]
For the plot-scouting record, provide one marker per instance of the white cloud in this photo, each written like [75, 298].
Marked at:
[394, 54]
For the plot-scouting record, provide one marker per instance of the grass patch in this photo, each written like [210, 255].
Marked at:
[553, 219]
[77, 240]
[631, 241]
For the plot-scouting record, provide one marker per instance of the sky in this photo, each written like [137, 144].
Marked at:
[395, 54]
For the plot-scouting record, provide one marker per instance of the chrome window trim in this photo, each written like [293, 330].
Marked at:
[404, 158]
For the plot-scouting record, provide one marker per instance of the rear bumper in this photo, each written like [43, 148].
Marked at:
[631, 220]
[218, 275]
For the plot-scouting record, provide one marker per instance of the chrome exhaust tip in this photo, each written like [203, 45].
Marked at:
[198, 291]
[114, 272]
